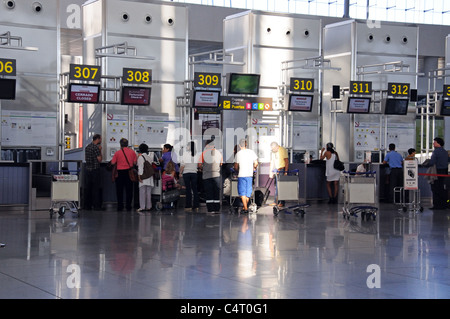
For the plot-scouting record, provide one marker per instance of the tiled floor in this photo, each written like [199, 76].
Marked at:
[322, 255]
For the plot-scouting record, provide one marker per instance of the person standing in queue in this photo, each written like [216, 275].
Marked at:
[125, 158]
[188, 169]
[210, 164]
[246, 162]
[395, 161]
[333, 175]
[440, 158]
[145, 185]
[93, 158]
[279, 161]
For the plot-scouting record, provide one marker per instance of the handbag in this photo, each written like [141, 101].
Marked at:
[132, 172]
[338, 164]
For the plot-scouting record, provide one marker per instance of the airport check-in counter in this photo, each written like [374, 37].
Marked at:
[312, 181]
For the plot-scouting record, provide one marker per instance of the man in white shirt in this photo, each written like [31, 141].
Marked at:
[245, 163]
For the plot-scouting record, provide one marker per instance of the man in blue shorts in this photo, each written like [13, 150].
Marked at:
[246, 161]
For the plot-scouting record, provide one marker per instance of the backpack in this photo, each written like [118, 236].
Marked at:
[148, 171]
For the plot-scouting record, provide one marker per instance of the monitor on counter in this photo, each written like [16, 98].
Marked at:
[83, 93]
[358, 105]
[7, 89]
[445, 108]
[300, 103]
[396, 106]
[205, 99]
[132, 95]
[243, 83]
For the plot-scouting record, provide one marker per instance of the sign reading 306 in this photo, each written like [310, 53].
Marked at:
[85, 72]
[8, 67]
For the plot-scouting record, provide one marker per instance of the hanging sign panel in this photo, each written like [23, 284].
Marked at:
[301, 85]
[446, 91]
[85, 72]
[8, 67]
[361, 87]
[207, 80]
[246, 103]
[137, 76]
[398, 89]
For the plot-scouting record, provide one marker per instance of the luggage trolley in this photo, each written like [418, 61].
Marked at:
[168, 199]
[252, 207]
[359, 188]
[412, 202]
[65, 192]
[288, 190]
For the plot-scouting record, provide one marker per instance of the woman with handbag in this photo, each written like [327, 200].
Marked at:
[333, 175]
[126, 160]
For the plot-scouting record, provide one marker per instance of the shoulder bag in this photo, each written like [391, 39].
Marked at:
[132, 172]
[338, 164]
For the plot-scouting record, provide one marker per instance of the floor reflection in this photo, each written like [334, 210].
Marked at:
[321, 255]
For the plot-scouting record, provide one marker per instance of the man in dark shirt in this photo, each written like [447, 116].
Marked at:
[395, 161]
[93, 158]
[440, 159]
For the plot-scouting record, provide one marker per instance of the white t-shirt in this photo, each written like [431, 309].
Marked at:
[245, 158]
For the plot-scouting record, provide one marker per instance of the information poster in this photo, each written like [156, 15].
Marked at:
[305, 135]
[402, 135]
[367, 136]
[156, 131]
[410, 175]
[116, 128]
[23, 128]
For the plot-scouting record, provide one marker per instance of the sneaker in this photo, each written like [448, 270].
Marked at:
[140, 211]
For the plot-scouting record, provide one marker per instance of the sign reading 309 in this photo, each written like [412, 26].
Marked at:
[8, 67]
[85, 72]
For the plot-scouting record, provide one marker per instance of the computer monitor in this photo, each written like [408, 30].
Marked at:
[396, 106]
[445, 108]
[358, 105]
[83, 93]
[7, 89]
[206, 99]
[242, 83]
[300, 103]
[132, 95]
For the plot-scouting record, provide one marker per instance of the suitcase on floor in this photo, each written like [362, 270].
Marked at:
[262, 193]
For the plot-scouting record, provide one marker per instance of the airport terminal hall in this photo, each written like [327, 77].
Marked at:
[236, 154]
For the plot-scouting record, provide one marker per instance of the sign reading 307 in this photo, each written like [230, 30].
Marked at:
[85, 72]
[8, 67]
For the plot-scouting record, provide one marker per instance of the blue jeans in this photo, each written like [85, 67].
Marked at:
[190, 181]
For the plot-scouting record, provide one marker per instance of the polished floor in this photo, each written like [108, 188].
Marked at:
[125, 255]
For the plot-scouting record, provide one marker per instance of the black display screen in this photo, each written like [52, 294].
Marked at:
[7, 89]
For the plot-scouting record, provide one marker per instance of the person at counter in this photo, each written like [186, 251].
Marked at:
[93, 158]
[125, 158]
[395, 161]
[333, 175]
[279, 161]
[440, 158]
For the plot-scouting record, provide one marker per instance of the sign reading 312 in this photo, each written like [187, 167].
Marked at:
[398, 89]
